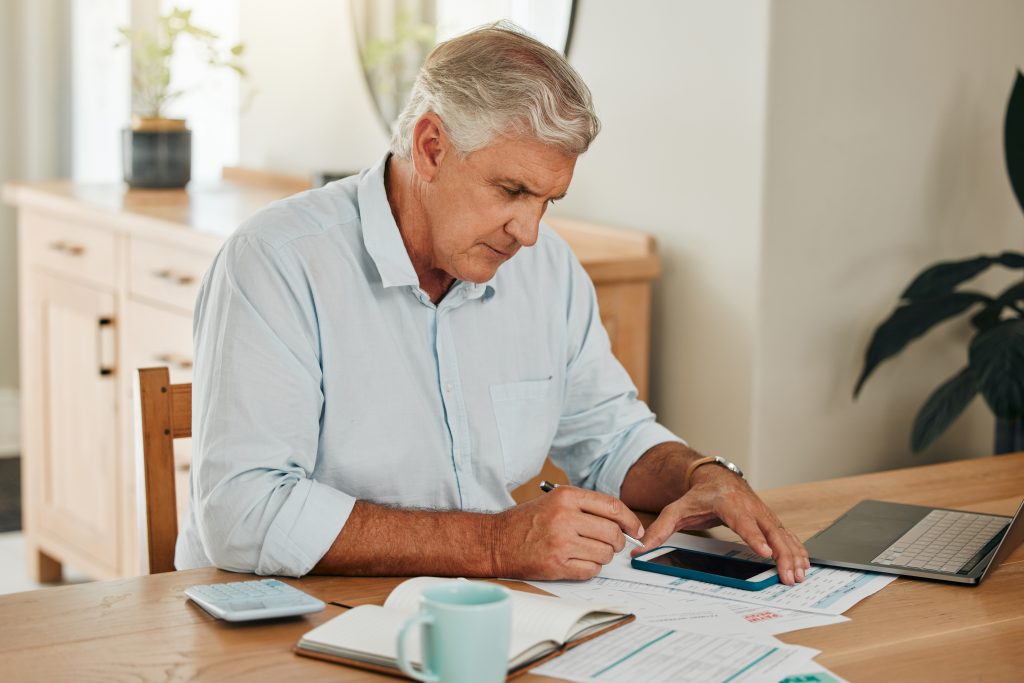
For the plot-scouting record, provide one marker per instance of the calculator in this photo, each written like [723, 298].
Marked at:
[248, 600]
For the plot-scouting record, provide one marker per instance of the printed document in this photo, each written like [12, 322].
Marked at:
[654, 654]
[657, 604]
[824, 591]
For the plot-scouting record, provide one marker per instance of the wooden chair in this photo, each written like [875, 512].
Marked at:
[166, 415]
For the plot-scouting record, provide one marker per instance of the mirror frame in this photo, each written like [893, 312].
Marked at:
[387, 125]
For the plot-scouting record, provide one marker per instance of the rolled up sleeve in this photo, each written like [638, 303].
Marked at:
[604, 428]
[257, 404]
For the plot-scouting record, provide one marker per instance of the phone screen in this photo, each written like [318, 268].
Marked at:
[711, 564]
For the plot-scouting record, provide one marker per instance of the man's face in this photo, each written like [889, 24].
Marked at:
[483, 208]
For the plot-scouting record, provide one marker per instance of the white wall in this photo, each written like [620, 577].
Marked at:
[680, 89]
[884, 155]
[798, 162]
[310, 109]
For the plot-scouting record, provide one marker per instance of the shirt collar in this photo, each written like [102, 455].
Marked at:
[380, 232]
[384, 241]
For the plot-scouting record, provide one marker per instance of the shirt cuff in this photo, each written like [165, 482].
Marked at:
[638, 442]
[304, 529]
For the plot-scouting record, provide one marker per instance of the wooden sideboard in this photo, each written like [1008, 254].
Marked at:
[107, 281]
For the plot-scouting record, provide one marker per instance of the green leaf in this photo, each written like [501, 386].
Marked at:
[1012, 294]
[997, 360]
[942, 408]
[1013, 138]
[988, 316]
[908, 322]
[1011, 259]
[944, 277]
[992, 314]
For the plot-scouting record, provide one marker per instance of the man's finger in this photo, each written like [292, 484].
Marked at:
[609, 507]
[589, 550]
[661, 528]
[580, 570]
[601, 529]
[751, 534]
[790, 555]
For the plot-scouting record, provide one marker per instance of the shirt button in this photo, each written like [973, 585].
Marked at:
[448, 387]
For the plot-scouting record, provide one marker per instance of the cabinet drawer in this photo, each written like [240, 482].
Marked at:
[158, 338]
[69, 248]
[166, 274]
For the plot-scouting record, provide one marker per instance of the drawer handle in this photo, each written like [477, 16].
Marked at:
[182, 362]
[178, 278]
[104, 351]
[69, 249]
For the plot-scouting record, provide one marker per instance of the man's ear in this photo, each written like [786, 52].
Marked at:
[430, 144]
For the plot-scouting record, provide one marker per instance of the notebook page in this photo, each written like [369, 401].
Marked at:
[535, 618]
[405, 598]
[543, 617]
[365, 632]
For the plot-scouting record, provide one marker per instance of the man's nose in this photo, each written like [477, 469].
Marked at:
[525, 227]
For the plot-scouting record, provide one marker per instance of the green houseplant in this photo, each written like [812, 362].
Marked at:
[995, 355]
[157, 150]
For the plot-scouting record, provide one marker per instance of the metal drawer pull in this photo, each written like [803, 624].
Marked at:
[183, 362]
[70, 249]
[179, 278]
[104, 329]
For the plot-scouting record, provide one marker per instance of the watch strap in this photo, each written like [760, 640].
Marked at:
[694, 465]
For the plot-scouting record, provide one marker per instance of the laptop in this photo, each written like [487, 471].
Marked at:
[911, 540]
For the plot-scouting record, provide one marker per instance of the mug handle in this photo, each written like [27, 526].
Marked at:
[403, 663]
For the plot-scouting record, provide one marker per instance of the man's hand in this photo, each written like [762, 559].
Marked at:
[569, 533]
[718, 496]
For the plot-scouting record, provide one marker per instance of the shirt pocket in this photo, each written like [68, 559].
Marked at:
[527, 416]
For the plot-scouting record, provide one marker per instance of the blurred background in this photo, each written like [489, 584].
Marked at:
[797, 162]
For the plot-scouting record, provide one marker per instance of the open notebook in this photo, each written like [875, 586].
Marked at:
[541, 626]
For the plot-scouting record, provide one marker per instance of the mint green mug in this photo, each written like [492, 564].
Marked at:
[467, 626]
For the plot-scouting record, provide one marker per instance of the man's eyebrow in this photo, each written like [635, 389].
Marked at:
[518, 186]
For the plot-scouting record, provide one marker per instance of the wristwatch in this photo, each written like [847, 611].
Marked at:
[717, 460]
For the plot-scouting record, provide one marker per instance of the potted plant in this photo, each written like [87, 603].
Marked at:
[156, 150]
[995, 355]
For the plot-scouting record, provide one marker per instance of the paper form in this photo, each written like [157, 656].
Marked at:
[669, 608]
[653, 603]
[654, 654]
[824, 591]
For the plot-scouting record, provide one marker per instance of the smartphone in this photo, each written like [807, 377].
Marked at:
[719, 569]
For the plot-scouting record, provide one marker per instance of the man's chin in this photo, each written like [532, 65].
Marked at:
[479, 274]
[479, 277]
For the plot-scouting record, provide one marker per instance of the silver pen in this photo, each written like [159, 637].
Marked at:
[546, 486]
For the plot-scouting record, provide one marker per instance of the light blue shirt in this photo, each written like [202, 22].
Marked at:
[324, 375]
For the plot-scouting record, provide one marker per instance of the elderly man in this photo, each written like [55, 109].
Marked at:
[378, 366]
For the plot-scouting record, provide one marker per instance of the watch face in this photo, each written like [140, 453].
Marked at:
[728, 465]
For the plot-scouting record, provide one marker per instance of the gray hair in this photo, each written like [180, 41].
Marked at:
[496, 80]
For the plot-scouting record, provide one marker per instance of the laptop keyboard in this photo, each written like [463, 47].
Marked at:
[944, 541]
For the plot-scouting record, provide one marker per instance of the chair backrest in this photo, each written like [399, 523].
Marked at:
[166, 415]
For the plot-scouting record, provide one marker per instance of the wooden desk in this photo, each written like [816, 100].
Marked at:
[143, 628]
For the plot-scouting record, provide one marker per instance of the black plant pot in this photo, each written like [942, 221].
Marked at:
[157, 157]
[1009, 436]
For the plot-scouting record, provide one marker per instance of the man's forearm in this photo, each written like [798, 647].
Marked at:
[656, 479]
[382, 541]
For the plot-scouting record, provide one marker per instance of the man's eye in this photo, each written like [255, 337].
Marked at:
[512, 193]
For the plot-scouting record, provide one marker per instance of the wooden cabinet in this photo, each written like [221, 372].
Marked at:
[108, 278]
[70, 401]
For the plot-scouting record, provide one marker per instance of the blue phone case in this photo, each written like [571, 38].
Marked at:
[639, 563]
